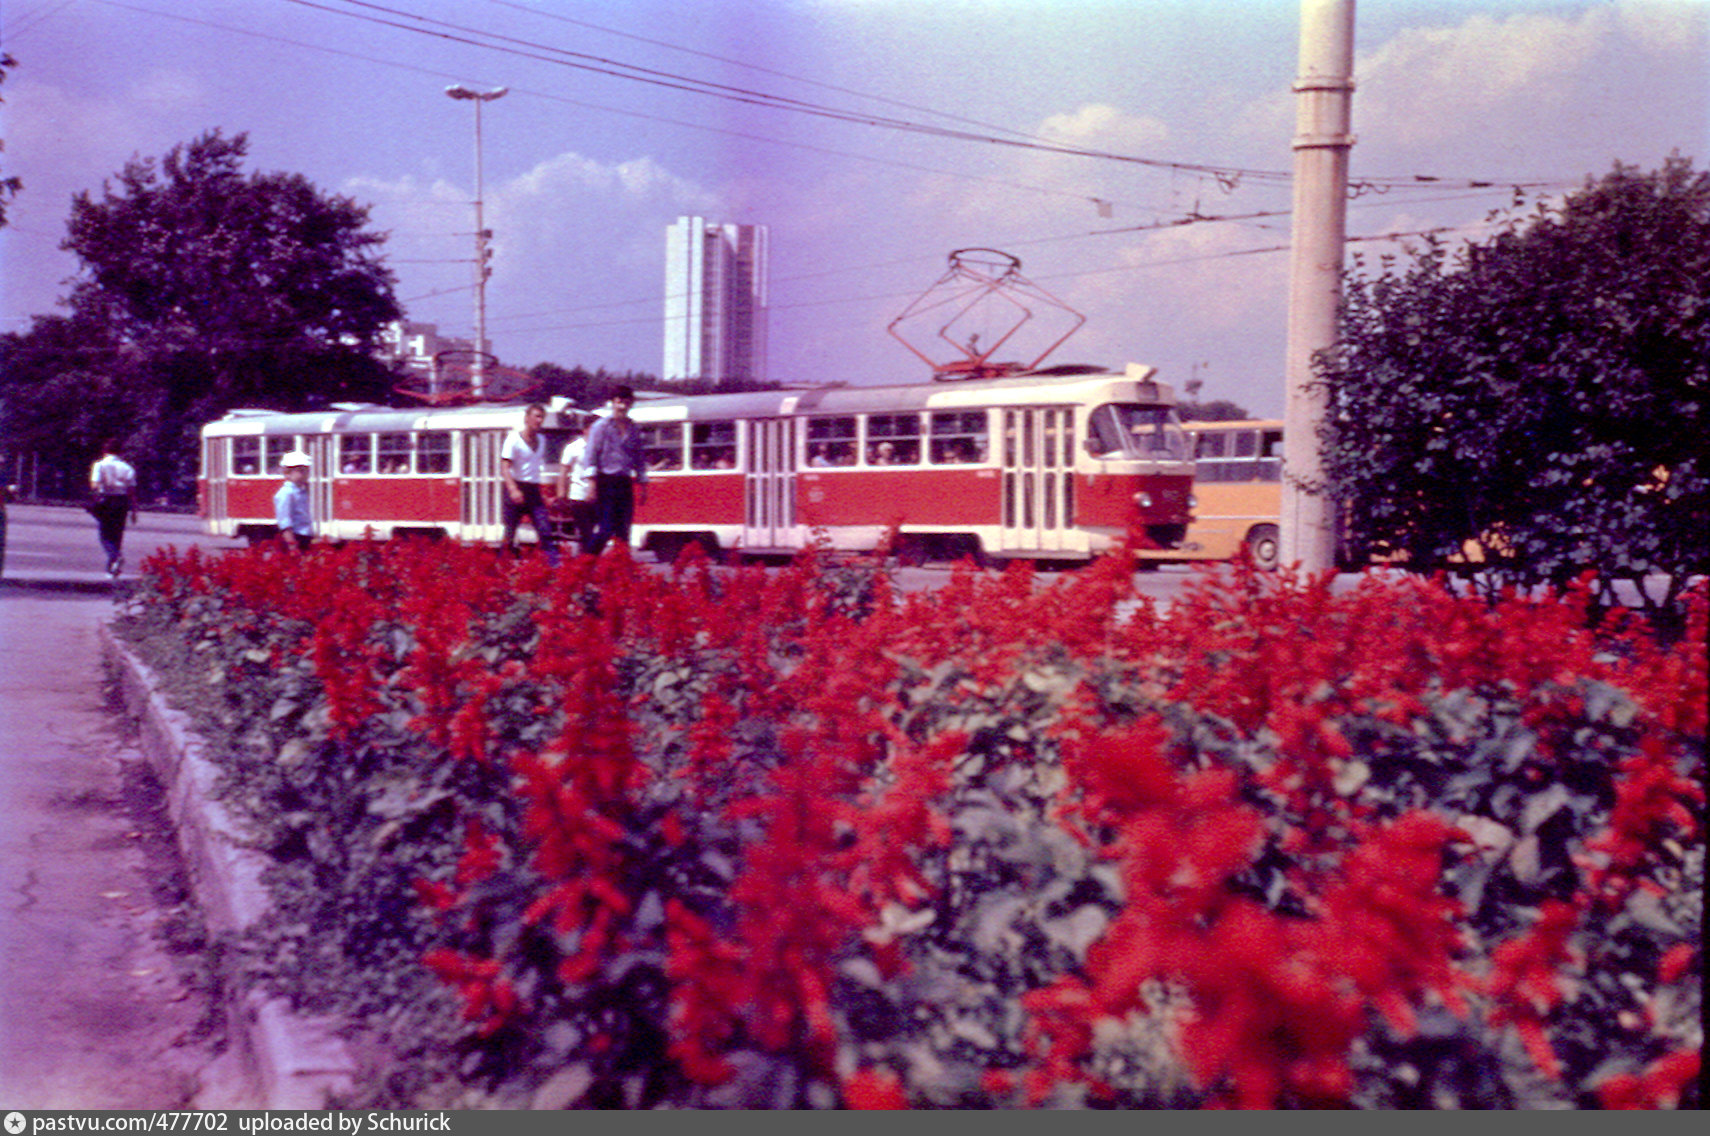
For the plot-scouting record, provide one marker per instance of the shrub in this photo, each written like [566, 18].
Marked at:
[605, 837]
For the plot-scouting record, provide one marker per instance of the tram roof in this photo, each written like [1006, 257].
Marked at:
[1067, 383]
[368, 417]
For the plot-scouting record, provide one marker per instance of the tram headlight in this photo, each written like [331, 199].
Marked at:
[1143, 499]
[1192, 501]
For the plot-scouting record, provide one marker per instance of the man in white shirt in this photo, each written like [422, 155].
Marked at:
[113, 484]
[522, 462]
[576, 489]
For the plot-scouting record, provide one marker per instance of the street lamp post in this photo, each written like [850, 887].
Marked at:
[478, 380]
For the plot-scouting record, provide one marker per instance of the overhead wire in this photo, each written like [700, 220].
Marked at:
[627, 71]
[1227, 174]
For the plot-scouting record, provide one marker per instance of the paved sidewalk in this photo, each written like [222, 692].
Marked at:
[101, 1005]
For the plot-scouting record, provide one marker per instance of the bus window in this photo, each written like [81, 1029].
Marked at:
[712, 445]
[663, 442]
[1246, 444]
[277, 448]
[1209, 444]
[1270, 455]
[246, 456]
[1133, 431]
[394, 454]
[893, 439]
[959, 437]
[355, 453]
[832, 441]
[433, 452]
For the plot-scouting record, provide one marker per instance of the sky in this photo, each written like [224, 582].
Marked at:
[1172, 245]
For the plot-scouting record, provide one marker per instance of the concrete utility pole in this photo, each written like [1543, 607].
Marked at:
[478, 379]
[1324, 95]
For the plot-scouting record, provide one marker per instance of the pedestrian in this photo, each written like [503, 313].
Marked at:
[576, 488]
[522, 463]
[113, 485]
[618, 461]
[291, 502]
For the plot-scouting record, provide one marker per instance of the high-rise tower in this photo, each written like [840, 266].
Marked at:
[715, 301]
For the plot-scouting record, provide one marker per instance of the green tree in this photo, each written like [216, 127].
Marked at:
[1217, 410]
[201, 288]
[1541, 394]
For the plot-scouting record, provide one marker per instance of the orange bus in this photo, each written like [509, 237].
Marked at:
[1238, 491]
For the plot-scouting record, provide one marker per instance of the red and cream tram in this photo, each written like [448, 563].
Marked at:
[1055, 464]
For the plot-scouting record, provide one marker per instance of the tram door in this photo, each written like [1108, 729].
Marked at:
[770, 496]
[323, 460]
[1038, 456]
[482, 483]
[216, 469]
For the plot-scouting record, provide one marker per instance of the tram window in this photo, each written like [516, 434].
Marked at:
[959, 437]
[356, 453]
[277, 448]
[393, 454]
[893, 439]
[1130, 430]
[663, 442]
[832, 441]
[433, 453]
[246, 456]
[712, 445]
[1246, 444]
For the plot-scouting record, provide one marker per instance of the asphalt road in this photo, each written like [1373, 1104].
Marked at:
[50, 545]
[56, 547]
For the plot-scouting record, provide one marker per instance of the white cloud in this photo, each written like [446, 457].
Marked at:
[1675, 27]
[1429, 84]
[1104, 127]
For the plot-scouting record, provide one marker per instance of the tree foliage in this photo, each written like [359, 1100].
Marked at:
[1217, 410]
[201, 288]
[1537, 400]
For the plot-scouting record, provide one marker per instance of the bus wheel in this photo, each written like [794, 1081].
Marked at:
[1264, 545]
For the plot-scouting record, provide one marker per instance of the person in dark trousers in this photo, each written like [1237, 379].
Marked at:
[113, 484]
[524, 465]
[291, 502]
[575, 502]
[618, 462]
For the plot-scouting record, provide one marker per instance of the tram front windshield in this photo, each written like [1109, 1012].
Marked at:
[1138, 432]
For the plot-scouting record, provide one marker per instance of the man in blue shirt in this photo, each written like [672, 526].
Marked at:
[619, 463]
[291, 502]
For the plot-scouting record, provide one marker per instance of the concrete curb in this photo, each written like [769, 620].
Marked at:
[292, 1061]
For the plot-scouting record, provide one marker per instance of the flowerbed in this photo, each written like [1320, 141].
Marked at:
[606, 837]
